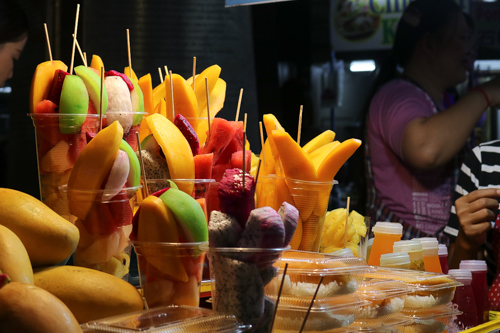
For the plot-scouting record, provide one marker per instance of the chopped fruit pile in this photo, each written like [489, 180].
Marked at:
[332, 238]
[170, 274]
[104, 179]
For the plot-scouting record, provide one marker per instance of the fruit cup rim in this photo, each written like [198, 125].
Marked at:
[309, 182]
[56, 114]
[167, 244]
[66, 188]
[205, 247]
[133, 112]
[195, 180]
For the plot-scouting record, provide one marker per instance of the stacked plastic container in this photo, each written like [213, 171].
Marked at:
[427, 302]
[336, 304]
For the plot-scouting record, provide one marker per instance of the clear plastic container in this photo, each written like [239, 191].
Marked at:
[386, 234]
[443, 258]
[305, 269]
[427, 289]
[435, 320]
[388, 324]
[395, 260]
[166, 320]
[383, 297]
[369, 247]
[347, 252]
[464, 299]
[479, 269]
[326, 313]
[414, 250]
[430, 247]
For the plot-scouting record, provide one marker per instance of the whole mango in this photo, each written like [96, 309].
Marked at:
[14, 259]
[47, 237]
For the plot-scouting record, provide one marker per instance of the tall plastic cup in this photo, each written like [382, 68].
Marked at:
[443, 258]
[131, 123]
[414, 250]
[430, 248]
[464, 298]
[386, 234]
[399, 260]
[479, 269]
[59, 140]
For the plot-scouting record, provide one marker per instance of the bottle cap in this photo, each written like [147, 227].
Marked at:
[390, 259]
[443, 250]
[428, 243]
[388, 228]
[407, 246]
[474, 265]
[460, 274]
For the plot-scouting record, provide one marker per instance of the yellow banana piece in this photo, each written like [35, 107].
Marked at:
[319, 141]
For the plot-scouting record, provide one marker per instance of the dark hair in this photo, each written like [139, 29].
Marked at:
[13, 22]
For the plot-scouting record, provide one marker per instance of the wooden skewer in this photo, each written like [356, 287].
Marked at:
[48, 41]
[194, 73]
[161, 74]
[245, 125]
[129, 54]
[239, 105]
[143, 170]
[171, 93]
[310, 305]
[243, 164]
[262, 144]
[208, 107]
[258, 171]
[346, 221]
[278, 298]
[74, 40]
[80, 51]
[85, 58]
[100, 99]
[166, 70]
[300, 125]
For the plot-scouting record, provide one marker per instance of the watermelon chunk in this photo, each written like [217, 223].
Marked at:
[46, 106]
[236, 143]
[56, 87]
[203, 166]
[221, 134]
[237, 160]
[131, 137]
[218, 171]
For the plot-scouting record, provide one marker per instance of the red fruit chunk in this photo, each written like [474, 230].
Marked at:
[135, 225]
[46, 106]
[221, 133]
[55, 89]
[212, 198]
[236, 143]
[79, 140]
[100, 221]
[123, 76]
[203, 166]
[237, 160]
[120, 209]
[47, 126]
[236, 198]
[218, 171]
[131, 137]
[189, 133]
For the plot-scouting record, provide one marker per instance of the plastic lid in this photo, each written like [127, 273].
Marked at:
[428, 243]
[399, 258]
[379, 289]
[388, 228]
[347, 252]
[336, 303]
[442, 250]
[407, 246]
[384, 324]
[167, 319]
[460, 274]
[441, 311]
[474, 265]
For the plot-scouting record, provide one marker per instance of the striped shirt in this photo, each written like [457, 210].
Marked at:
[480, 170]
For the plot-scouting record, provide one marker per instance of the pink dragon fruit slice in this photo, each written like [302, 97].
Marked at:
[264, 229]
[223, 230]
[233, 200]
[290, 216]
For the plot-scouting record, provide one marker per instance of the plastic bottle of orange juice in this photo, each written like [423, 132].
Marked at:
[386, 234]
[430, 248]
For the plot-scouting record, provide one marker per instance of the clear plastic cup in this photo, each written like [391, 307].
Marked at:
[238, 277]
[170, 273]
[264, 191]
[430, 248]
[386, 234]
[414, 250]
[104, 229]
[200, 186]
[395, 260]
[443, 258]
[59, 141]
[479, 270]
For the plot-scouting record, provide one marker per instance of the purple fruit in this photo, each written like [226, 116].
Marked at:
[290, 217]
[236, 198]
[264, 229]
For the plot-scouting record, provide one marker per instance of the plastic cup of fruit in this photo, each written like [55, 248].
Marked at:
[200, 186]
[170, 273]
[104, 230]
[238, 277]
[59, 140]
[264, 191]
[130, 135]
[311, 200]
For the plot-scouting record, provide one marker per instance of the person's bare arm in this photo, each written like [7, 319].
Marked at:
[475, 213]
[432, 142]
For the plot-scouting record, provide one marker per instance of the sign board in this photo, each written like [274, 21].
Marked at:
[358, 25]
[486, 16]
[231, 3]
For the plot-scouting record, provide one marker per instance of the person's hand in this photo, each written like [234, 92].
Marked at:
[492, 89]
[475, 211]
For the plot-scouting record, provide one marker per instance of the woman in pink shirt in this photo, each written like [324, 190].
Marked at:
[413, 139]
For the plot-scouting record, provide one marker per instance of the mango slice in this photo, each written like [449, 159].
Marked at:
[337, 157]
[146, 86]
[216, 99]
[185, 102]
[159, 94]
[92, 167]
[42, 81]
[126, 71]
[271, 124]
[212, 73]
[320, 140]
[176, 149]
[318, 155]
[97, 63]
